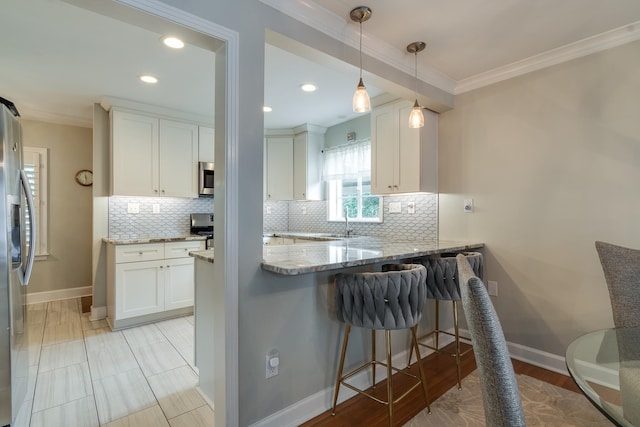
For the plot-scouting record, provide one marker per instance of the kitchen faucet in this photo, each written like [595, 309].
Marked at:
[346, 223]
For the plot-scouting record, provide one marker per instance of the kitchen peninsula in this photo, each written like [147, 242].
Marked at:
[321, 252]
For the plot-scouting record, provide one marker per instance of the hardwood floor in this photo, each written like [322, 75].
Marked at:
[440, 370]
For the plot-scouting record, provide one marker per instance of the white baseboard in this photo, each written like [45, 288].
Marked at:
[314, 405]
[98, 313]
[39, 297]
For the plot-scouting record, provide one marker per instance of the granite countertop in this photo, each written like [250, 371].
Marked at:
[131, 241]
[310, 257]
[206, 255]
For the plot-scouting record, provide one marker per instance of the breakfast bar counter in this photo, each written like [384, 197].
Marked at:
[351, 252]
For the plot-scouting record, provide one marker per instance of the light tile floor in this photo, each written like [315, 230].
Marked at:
[85, 375]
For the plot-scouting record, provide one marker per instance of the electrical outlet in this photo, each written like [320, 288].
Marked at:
[156, 208]
[492, 288]
[304, 210]
[273, 363]
[268, 209]
[395, 207]
[133, 208]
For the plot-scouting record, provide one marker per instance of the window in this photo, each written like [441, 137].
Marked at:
[347, 172]
[35, 166]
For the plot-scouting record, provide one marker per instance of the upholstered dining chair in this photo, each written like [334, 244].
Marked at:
[500, 395]
[390, 300]
[621, 268]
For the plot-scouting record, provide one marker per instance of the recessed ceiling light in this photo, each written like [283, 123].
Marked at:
[173, 42]
[308, 87]
[148, 79]
[267, 109]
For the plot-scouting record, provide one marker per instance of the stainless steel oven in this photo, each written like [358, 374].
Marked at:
[205, 178]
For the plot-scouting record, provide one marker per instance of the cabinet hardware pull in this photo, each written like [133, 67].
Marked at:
[140, 252]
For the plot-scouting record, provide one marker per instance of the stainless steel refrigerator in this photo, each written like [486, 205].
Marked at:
[17, 251]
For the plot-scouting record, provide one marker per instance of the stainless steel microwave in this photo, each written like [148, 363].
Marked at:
[205, 178]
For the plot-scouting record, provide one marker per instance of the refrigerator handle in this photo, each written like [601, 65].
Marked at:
[32, 235]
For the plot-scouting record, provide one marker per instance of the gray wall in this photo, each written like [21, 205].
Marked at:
[552, 161]
[69, 211]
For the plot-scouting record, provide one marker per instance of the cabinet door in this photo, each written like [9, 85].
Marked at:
[408, 153]
[307, 166]
[134, 154]
[178, 155]
[139, 288]
[279, 168]
[179, 283]
[384, 142]
[206, 144]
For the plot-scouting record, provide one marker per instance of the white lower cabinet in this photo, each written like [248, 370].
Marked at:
[149, 281]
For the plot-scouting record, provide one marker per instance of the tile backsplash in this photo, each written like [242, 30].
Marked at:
[311, 217]
[171, 221]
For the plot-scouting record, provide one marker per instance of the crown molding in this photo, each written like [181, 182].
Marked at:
[321, 19]
[584, 47]
[341, 29]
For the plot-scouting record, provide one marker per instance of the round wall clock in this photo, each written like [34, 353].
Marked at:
[84, 177]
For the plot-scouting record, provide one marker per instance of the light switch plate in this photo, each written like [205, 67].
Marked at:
[468, 205]
[411, 207]
[395, 207]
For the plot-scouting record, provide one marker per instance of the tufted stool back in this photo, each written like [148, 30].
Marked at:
[442, 275]
[392, 299]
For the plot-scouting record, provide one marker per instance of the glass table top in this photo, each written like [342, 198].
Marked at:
[605, 365]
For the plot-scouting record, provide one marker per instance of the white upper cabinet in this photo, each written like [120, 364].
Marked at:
[206, 144]
[152, 156]
[178, 154]
[279, 168]
[307, 163]
[403, 160]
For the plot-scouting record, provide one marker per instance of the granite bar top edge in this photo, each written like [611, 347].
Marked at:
[125, 241]
[363, 252]
[206, 255]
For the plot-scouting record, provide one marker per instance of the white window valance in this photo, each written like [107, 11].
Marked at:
[348, 161]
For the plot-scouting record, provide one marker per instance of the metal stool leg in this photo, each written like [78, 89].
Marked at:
[457, 338]
[389, 377]
[339, 377]
[373, 356]
[423, 378]
[437, 329]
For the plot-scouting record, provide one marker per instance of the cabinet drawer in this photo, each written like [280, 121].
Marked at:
[182, 249]
[141, 252]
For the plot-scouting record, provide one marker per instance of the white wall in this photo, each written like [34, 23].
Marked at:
[552, 161]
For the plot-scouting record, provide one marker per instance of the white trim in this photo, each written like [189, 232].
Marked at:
[594, 44]
[231, 262]
[321, 19]
[46, 296]
[98, 313]
[314, 405]
[530, 355]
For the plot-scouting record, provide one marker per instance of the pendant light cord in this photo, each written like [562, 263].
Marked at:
[360, 49]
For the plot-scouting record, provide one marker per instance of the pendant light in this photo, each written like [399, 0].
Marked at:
[416, 118]
[361, 101]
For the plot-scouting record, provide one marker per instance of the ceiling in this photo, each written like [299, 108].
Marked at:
[61, 59]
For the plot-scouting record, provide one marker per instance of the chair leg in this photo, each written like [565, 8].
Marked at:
[389, 377]
[341, 366]
[423, 378]
[373, 357]
[457, 338]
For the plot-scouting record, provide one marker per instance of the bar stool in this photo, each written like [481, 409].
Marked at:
[389, 300]
[443, 285]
